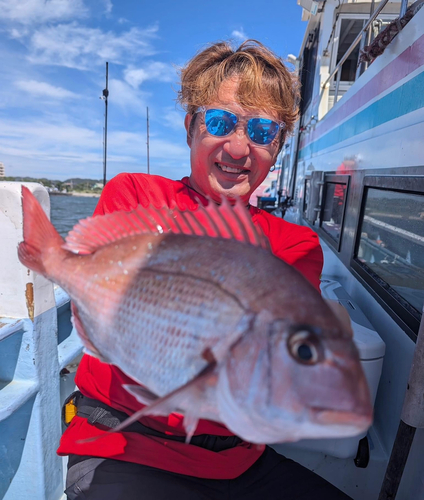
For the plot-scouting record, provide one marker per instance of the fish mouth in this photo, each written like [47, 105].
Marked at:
[339, 417]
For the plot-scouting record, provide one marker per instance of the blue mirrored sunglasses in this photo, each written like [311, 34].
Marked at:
[220, 123]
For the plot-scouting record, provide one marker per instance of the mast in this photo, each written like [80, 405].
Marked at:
[148, 157]
[104, 97]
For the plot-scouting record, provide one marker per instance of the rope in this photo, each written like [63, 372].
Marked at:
[382, 40]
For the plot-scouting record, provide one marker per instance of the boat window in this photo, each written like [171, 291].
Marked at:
[306, 195]
[283, 181]
[333, 207]
[308, 67]
[390, 248]
[349, 30]
[312, 196]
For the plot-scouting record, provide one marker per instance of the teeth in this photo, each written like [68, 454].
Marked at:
[228, 169]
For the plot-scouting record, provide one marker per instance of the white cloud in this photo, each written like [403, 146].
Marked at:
[41, 137]
[40, 11]
[134, 144]
[127, 98]
[108, 6]
[39, 148]
[174, 119]
[153, 70]
[76, 46]
[43, 89]
[160, 148]
[53, 149]
[239, 35]
[18, 33]
[46, 128]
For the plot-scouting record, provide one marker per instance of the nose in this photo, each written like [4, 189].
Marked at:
[237, 144]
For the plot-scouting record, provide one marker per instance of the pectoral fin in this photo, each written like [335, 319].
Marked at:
[164, 405]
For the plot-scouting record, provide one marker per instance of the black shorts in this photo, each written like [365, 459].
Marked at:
[271, 477]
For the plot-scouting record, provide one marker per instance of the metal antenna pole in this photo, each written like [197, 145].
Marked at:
[105, 96]
[148, 156]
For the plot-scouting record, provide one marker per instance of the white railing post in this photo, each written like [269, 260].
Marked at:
[23, 294]
[30, 426]
[403, 7]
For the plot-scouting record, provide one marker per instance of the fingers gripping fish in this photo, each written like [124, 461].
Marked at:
[182, 302]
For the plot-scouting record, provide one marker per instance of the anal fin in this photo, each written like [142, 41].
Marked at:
[141, 394]
[190, 424]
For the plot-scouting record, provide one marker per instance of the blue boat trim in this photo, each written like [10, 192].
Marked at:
[401, 101]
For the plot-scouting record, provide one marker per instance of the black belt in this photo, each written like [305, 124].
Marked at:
[98, 413]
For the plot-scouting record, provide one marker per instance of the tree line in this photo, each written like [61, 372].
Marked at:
[74, 184]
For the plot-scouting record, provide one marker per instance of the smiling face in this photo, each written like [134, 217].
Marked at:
[231, 165]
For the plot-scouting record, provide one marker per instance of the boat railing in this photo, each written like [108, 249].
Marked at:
[39, 351]
[363, 36]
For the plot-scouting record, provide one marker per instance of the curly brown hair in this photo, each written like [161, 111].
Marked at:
[264, 81]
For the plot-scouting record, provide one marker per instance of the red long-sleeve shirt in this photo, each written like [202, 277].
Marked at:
[296, 245]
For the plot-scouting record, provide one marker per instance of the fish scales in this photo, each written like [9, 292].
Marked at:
[253, 276]
[153, 308]
[173, 333]
[242, 270]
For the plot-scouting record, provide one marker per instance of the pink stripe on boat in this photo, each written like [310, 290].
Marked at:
[407, 62]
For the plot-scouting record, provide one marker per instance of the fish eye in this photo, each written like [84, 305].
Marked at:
[303, 347]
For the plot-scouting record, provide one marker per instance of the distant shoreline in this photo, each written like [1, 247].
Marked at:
[75, 193]
[87, 195]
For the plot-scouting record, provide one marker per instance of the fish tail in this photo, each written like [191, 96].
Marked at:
[40, 236]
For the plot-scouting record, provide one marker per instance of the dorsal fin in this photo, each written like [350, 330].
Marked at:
[218, 221]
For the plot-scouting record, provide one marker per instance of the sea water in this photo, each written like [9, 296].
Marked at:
[67, 210]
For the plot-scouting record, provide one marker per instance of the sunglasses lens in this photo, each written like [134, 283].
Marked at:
[219, 122]
[262, 131]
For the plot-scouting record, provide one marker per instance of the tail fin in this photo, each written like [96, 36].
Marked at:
[39, 234]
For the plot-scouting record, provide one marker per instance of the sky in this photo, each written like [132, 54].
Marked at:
[53, 59]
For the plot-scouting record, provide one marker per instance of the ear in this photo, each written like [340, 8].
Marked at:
[187, 121]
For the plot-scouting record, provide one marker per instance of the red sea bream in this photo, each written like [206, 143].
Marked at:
[213, 327]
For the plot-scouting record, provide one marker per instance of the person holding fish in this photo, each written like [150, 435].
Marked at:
[201, 314]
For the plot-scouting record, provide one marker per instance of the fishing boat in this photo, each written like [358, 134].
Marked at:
[353, 171]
